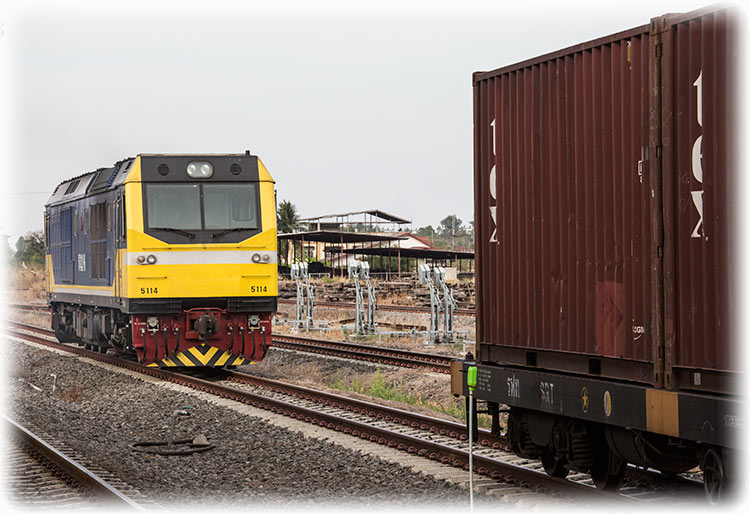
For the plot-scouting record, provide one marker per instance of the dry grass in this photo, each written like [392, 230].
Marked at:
[25, 286]
[426, 393]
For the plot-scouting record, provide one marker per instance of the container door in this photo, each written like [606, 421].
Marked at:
[699, 139]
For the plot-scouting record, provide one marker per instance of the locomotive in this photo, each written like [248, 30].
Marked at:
[604, 176]
[168, 257]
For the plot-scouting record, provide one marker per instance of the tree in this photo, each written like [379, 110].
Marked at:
[451, 225]
[425, 231]
[30, 249]
[287, 220]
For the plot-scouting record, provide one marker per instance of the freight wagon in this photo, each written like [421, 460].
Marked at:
[603, 179]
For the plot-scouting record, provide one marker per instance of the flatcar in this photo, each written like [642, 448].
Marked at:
[604, 176]
[168, 257]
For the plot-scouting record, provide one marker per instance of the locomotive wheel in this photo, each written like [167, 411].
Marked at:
[63, 337]
[714, 476]
[608, 469]
[552, 466]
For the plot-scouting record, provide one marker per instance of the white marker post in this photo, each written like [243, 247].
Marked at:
[471, 381]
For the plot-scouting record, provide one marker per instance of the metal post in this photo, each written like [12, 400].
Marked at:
[471, 382]
[310, 300]
[354, 273]
[372, 303]
[341, 256]
[471, 449]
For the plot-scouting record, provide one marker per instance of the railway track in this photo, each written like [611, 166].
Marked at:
[286, 301]
[41, 476]
[390, 356]
[35, 307]
[432, 438]
[379, 354]
[392, 308]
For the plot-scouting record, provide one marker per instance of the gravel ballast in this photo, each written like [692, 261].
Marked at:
[100, 413]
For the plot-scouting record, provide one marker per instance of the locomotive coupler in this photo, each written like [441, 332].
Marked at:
[206, 326]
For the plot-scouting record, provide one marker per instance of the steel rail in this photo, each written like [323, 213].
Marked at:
[395, 308]
[86, 478]
[40, 307]
[415, 420]
[435, 362]
[379, 354]
[496, 469]
[336, 305]
[412, 419]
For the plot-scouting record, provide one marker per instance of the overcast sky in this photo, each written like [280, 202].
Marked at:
[349, 108]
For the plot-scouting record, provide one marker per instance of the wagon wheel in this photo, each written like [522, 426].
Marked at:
[714, 477]
[608, 469]
[552, 466]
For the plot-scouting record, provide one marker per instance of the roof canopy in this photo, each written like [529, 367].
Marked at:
[334, 236]
[374, 212]
[419, 253]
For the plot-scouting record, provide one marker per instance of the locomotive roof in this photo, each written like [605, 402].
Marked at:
[105, 179]
[93, 181]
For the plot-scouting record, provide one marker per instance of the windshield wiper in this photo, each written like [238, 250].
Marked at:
[183, 232]
[227, 231]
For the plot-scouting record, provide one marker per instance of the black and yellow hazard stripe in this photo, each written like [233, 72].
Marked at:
[202, 355]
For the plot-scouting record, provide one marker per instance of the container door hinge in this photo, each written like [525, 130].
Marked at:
[659, 150]
[660, 251]
[657, 49]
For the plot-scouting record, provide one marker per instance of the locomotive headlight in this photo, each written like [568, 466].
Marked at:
[151, 259]
[140, 259]
[253, 320]
[200, 169]
[256, 258]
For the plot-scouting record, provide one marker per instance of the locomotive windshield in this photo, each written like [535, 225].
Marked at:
[193, 207]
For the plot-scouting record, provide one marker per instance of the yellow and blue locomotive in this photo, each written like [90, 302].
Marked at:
[172, 257]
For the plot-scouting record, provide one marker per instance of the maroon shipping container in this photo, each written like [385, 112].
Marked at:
[602, 207]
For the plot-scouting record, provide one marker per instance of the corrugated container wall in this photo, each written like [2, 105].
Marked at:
[572, 269]
[699, 137]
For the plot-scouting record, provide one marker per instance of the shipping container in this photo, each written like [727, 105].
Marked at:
[603, 208]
